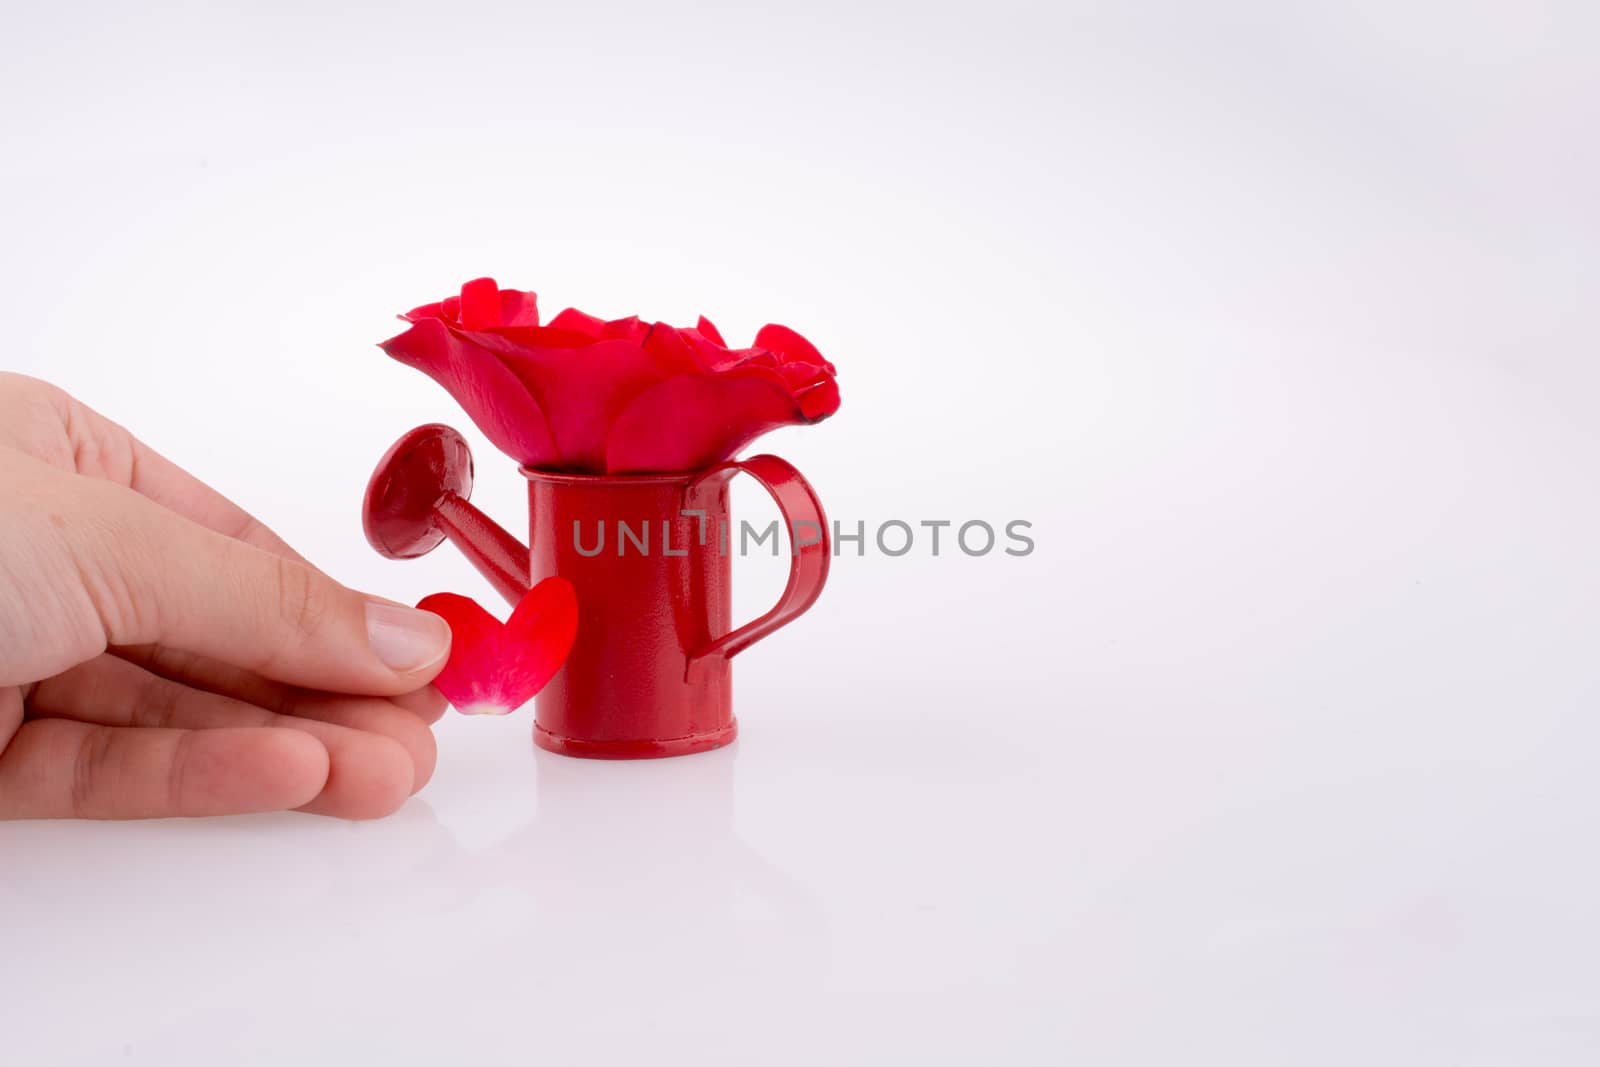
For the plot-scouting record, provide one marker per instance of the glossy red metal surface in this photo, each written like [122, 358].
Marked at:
[650, 559]
[399, 514]
[500, 557]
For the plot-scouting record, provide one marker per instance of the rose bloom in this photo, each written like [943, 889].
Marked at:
[623, 396]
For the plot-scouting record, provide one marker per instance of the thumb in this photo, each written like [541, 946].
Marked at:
[154, 577]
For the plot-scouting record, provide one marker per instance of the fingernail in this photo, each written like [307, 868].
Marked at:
[404, 638]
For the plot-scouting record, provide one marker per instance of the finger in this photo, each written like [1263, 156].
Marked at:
[60, 769]
[375, 715]
[11, 699]
[101, 448]
[150, 576]
[371, 771]
[371, 717]
[427, 703]
[164, 482]
[404, 717]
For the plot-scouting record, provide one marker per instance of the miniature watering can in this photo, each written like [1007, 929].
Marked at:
[648, 556]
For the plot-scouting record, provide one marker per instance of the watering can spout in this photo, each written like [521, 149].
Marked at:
[418, 497]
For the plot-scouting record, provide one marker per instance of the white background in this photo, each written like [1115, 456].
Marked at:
[1277, 321]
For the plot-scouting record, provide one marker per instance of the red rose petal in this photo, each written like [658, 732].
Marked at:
[576, 321]
[592, 395]
[434, 310]
[693, 421]
[819, 400]
[788, 344]
[492, 395]
[675, 350]
[480, 304]
[710, 355]
[582, 392]
[631, 328]
[746, 357]
[709, 332]
[494, 667]
[509, 339]
[510, 307]
[518, 308]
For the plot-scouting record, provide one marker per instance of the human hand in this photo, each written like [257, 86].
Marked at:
[162, 653]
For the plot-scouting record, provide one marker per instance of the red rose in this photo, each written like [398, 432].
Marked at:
[625, 396]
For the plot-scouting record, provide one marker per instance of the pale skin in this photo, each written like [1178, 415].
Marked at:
[164, 654]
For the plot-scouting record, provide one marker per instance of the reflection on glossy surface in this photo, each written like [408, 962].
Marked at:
[916, 884]
[620, 879]
[631, 868]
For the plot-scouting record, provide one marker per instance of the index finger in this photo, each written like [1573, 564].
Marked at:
[102, 448]
[61, 769]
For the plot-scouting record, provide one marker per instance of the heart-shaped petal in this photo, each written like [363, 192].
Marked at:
[494, 667]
